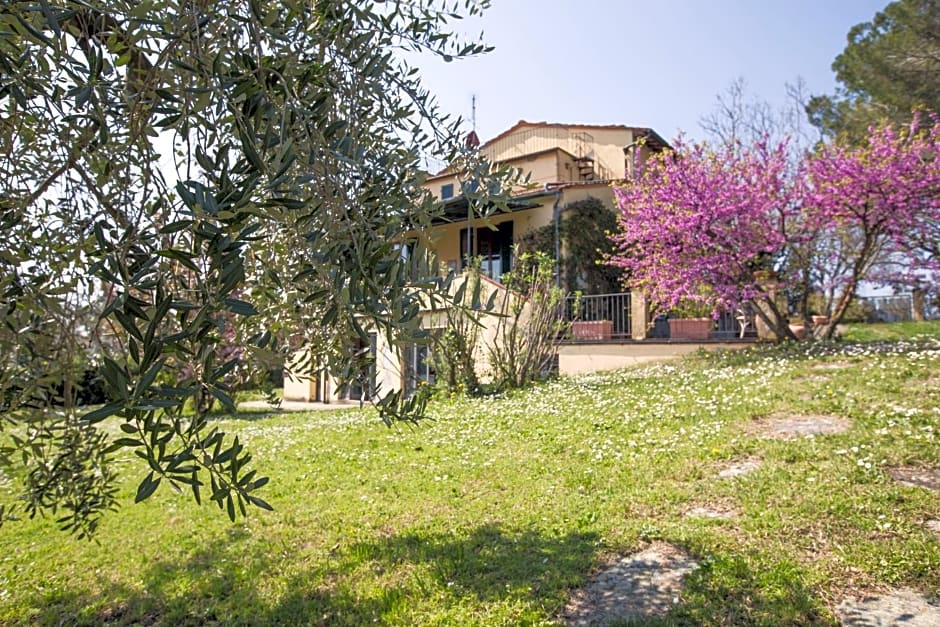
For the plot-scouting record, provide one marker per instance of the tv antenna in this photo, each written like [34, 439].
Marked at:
[473, 111]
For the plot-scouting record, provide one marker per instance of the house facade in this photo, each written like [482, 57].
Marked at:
[564, 164]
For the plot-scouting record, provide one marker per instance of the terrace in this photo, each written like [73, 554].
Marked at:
[611, 331]
[610, 318]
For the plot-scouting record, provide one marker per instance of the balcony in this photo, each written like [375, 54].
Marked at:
[608, 318]
[599, 318]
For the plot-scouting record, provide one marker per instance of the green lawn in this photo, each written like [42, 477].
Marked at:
[494, 510]
[893, 331]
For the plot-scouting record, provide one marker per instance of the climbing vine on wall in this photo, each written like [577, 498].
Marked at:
[584, 229]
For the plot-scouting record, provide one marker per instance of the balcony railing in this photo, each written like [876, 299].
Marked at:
[740, 324]
[599, 317]
[607, 317]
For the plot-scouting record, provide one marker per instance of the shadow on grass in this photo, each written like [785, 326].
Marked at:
[382, 581]
[412, 578]
[727, 591]
[253, 414]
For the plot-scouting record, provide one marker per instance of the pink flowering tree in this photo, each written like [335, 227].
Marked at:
[698, 225]
[881, 201]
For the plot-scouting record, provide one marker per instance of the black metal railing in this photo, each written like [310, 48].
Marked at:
[607, 317]
[733, 325]
[599, 317]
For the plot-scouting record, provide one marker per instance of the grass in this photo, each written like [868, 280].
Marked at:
[492, 512]
[892, 332]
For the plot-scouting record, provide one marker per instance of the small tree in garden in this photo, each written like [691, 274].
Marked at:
[453, 350]
[239, 174]
[699, 224]
[882, 202]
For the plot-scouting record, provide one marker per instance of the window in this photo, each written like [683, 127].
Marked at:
[492, 246]
[419, 367]
[447, 191]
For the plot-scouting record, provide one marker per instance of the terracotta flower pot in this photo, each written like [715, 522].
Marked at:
[592, 330]
[690, 328]
[798, 330]
[818, 321]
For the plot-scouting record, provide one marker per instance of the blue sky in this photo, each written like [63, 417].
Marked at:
[656, 63]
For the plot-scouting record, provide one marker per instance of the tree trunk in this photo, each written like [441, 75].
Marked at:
[918, 304]
[777, 323]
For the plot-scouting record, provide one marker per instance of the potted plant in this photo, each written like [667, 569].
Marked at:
[691, 320]
[798, 329]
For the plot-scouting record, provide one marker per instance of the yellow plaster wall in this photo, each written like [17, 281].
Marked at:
[299, 387]
[434, 185]
[581, 358]
[604, 193]
[446, 238]
[547, 167]
[609, 145]
[303, 386]
[606, 146]
[518, 150]
[541, 168]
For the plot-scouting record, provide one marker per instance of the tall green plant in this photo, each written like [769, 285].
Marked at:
[454, 349]
[890, 66]
[584, 231]
[530, 323]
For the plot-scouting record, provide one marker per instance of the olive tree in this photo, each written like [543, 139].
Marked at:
[190, 165]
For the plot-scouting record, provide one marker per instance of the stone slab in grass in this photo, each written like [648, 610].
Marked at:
[933, 525]
[916, 477]
[900, 607]
[790, 426]
[630, 588]
[739, 468]
[716, 512]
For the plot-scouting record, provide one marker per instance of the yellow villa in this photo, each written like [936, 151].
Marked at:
[565, 164]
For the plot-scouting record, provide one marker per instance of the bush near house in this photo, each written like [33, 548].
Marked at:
[584, 232]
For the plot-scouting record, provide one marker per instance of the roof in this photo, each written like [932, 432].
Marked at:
[637, 130]
[455, 209]
[448, 172]
[653, 139]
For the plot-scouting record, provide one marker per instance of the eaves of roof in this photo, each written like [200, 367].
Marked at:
[525, 124]
[455, 209]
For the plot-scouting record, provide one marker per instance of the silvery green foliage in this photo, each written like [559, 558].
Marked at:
[201, 175]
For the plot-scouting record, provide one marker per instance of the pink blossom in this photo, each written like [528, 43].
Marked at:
[698, 221]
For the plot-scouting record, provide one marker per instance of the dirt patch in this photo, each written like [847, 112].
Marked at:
[831, 365]
[790, 426]
[811, 378]
[630, 588]
[901, 607]
[716, 512]
[739, 468]
[923, 385]
[916, 477]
